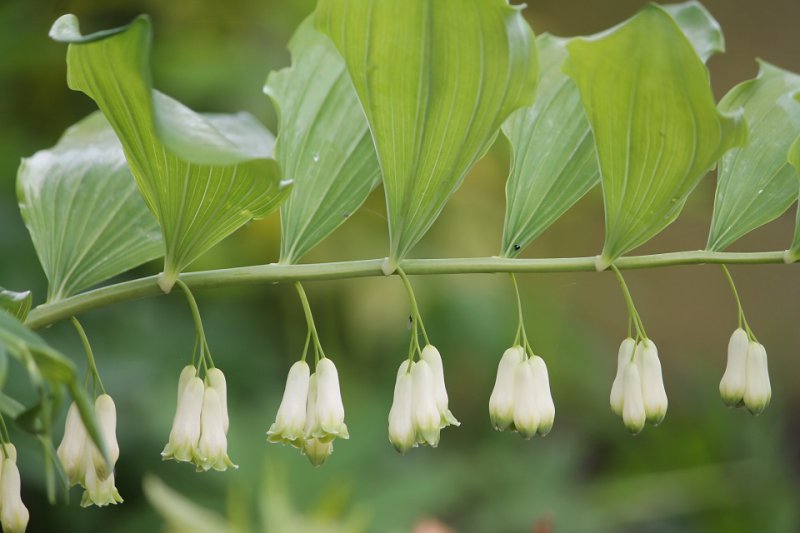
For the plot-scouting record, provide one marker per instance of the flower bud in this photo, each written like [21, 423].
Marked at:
[501, 402]
[312, 426]
[624, 356]
[212, 449]
[13, 513]
[544, 400]
[526, 409]
[732, 386]
[329, 407]
[425, 415]
[290, 421]
[71, 451]
[431, 356]
[188, 372]
[106, 413]
[216, 380]
[401, 424]
[317, 451]
[185, 434]
[633, 413]
[99, 492]
[757, 391]
[653, 393]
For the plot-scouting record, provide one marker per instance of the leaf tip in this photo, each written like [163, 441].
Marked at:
[66, 29]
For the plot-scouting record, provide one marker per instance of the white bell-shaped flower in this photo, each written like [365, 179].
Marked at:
[401, 423]
[501, 402]
[72, 449]
[99, 492]
[216, 380]
[329, 406]
[653, 393]
[624, 356]
[188, 372]
[544, 400]
[425, 414]
[106, 413]
[13, 513]
[185, 433]
[633, 413]
[526, 408]
[212, 449]
[290, 422]
[732, 385]
[431, 356]
[317, 450]
[757, 391]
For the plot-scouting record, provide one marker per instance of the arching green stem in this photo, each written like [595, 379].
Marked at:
[416, 317]
[522, 336]
[89, 354]
[633, 314]
[312, 328]
[742, 318]
[205, 352]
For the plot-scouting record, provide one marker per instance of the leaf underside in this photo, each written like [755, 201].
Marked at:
[80, 203]
[195, 175]
[18, 304]
[324, 146]
[436, 79]
[657, 130]
[756, 183]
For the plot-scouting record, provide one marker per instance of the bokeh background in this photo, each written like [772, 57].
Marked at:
[706, 468]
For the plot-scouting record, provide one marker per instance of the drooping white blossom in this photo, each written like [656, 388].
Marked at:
[501, 402]
[212, 448]
[13, 513]
[329, 408]
[434, 359]
[732, 385]
[402, 434]
[526, 408]
[216, 380]
[424, 412]
[317, 450]
[757, 391]
[544, 400]
[624, 356]
[72, 450]
[185, 433]
[106, 414]
[290, 422]
[99, 492]
[654, 395]
[633, 413]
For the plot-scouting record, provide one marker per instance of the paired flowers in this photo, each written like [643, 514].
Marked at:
[746, 378]
[83, 463]
[200, 427]
[311, 413]
[13, 513]
[638, 394]
[420, 404]
[521, 399]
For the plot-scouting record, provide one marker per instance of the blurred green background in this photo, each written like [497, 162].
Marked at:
[707, 468]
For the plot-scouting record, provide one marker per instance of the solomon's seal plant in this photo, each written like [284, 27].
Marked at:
[395, 93]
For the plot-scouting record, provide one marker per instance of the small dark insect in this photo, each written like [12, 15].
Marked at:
[345, 215]
[517, 246]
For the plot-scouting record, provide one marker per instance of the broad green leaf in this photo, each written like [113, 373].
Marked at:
[86, 218]
[793, 254]
[436, 79]
[181, 514]
[323, 145]
[16, 303]
[657, 130]
[553, 162]
[42, 360]
[195, 175]
[755, 183]
[553, 155]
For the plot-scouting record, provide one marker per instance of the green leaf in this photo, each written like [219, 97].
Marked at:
[16, 303]
[553, 167]
[553, 161]
[86, 218]
[198, 182]
[181, 514]
[657, 130]
[42, 360]
[793, 254]
[436, 79]
[323, 146]
[755, 183]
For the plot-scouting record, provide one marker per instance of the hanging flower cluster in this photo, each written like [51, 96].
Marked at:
[521, 399]
[200, 427]
[746, 378]
[638, 394]
[13, 513]
[83, 463]
[311, 413]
